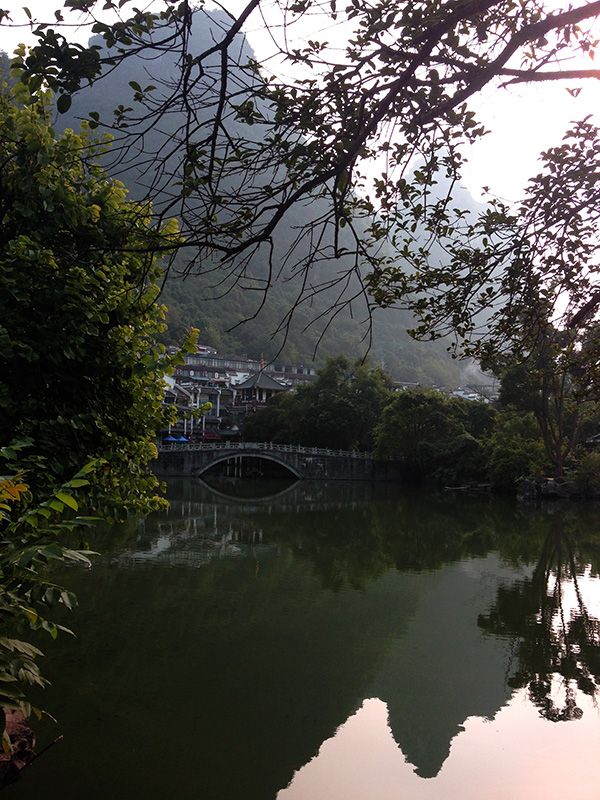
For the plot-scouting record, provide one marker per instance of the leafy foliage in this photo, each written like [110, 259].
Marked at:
[587, 475]
[506, 272]
[81, 370]
[553, 380]
[198, 300]
[338, 410]
[515, 450]
[435, 436]
[33, 536]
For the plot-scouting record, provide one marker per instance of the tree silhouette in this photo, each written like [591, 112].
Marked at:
[236, 148]
[556, 642]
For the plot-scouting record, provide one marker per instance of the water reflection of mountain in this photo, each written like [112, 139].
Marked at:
[443, 670]
[253, 632]
[452, 670]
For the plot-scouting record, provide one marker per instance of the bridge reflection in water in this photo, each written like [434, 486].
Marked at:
[194, 532]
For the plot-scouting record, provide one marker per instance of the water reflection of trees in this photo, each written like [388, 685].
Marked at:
[558, 649]
[351, 537]
[415, 532]
[270, 664]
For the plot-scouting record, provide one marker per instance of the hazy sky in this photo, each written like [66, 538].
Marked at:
[523, 119]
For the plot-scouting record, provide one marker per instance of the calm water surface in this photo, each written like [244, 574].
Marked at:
[330, 642]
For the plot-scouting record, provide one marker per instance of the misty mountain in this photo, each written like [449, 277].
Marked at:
[226, 313]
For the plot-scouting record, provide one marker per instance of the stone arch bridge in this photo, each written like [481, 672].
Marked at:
[308, 463]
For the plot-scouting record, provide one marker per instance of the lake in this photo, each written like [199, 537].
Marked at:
[330, 642]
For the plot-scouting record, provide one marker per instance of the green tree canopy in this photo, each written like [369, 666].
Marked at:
[515, 449]
[338, 410]
[81, 375]
[435, 436]
[552, 376]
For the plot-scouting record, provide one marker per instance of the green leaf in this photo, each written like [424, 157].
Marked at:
[63, 104]
[68, 599]
[77, 483]
[35, 83]
[68, 500]
[91, 466]
[53, 550]
[51, 596]
[31, 615]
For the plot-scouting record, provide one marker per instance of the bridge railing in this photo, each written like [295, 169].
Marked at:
[270, 446]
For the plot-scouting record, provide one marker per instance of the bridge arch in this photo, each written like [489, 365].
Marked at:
[259, 454]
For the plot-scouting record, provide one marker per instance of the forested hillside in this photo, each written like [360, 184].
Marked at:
[226, 313]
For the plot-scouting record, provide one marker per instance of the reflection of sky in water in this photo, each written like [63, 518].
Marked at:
[588, 589]
[516, 755]
[247, 636]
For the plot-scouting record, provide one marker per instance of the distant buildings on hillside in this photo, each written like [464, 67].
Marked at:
[235, 385]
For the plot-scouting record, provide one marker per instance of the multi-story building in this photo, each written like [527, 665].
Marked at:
[232, 384]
